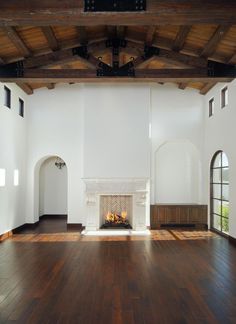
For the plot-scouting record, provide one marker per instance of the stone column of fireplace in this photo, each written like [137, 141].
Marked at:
[136, 188]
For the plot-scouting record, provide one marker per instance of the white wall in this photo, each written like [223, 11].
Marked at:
[220, 133]
[177, 173]
[13, 154]
[116, 132]
[52, 189]
[176, 117]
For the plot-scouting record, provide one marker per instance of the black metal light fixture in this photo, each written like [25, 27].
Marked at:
[59, 163]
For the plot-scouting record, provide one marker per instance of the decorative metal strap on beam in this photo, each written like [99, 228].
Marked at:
[216, 69]
[114, 5]
[81, 51]
[15, 70]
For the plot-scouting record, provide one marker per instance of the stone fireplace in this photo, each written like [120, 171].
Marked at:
[116, 202]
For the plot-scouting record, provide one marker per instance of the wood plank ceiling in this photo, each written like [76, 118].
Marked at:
[180, 47]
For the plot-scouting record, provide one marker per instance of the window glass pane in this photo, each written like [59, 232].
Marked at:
[225, 192]
[225, 209]
[225, 225]
[216, 175]
[217, 206]
[225, 161]
[217, 222]
[217, 162]
[217, 191]
[225, 175]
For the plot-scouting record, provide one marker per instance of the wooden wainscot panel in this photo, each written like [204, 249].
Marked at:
[174, 214]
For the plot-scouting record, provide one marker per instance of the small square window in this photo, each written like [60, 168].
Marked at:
[7, 97]
[224, 97]
[211, 107]
[21, 107]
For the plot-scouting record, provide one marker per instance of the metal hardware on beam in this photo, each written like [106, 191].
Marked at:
[150, 51]
[116, 42]
[15, 70]
[81, 51]
[114, 5]
[216, 69]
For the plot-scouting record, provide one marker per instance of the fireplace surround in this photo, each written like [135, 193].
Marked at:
[120, 199]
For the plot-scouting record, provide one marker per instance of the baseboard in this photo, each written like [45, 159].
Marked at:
[232, 240]
[53, 216]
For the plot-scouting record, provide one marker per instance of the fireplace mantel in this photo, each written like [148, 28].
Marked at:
[138, 188]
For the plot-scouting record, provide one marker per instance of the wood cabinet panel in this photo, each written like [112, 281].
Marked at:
[165, 214]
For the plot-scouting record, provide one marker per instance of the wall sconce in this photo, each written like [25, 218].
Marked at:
[59, 163]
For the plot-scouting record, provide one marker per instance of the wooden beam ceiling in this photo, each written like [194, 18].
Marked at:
[150, 35]
[50, 36]
[162, 12]
[25, 87]
[212, 44]
[82, 75]
[207, 87]
[181, 37]
[12, 34]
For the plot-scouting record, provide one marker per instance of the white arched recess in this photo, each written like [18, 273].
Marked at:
[53, 188]
[35, 197]
[177, 173]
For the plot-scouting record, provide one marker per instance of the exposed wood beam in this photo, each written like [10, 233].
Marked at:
[181, 37]
[121, 31]
[2, 62]
[51, 38]
[82, 35]
[16, 40]
[183, 85]
[50, 86]
[207, 87]
[150, 35]
[70, 12]
[111, 32]
[212, 44]
[25, 87]
[88, 75]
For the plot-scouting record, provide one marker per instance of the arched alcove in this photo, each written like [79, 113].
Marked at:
[53, 187]
[41, 165]
[177, 173]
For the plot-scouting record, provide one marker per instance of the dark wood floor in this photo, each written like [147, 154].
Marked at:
[118, 281]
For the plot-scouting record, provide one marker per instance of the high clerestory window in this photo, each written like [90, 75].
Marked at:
[220, 193]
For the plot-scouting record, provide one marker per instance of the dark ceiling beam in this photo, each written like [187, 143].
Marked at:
[150, 35]
[82, 35]
[121, 31]
[25, 87]
[214, 41]
[2, 62]
[134, 49]
[181, 37]
[70, 12]
[89, 75]
[12, 34]
[207, 87]
[51, 38]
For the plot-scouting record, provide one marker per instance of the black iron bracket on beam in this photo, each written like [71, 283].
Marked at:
[216, 69]
[14, 70]
[114, 5]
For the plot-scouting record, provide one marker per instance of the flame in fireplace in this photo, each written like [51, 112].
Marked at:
[115, 218]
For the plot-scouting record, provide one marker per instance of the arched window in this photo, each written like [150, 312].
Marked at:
[220, 193]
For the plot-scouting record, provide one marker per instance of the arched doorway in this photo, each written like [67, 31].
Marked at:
[219, 193]
[53, 187]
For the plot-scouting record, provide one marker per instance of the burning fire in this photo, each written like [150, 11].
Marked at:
[115, 218]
